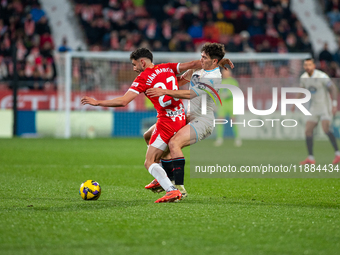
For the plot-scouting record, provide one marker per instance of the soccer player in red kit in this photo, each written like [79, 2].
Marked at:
[170, 111]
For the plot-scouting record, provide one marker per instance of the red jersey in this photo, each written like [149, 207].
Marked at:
[161, 76]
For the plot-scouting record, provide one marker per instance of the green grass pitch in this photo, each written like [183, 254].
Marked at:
[41, 211]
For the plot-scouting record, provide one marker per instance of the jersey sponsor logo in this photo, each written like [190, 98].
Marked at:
[204, 87]
[176, 113]
[195, 81]
[134, 84]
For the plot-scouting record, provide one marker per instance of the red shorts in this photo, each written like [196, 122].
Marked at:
[164, 130]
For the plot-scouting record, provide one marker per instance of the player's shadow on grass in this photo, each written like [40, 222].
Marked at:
[44, 204]
[255, 203]
[76, 204]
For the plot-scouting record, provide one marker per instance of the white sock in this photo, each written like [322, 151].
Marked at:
[159, 173]
[311, 157]
[337, 153]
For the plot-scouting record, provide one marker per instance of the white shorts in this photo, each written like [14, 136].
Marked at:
[203, 127]
[320, 113]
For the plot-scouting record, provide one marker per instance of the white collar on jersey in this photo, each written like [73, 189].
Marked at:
[211, 70]
[313, 74]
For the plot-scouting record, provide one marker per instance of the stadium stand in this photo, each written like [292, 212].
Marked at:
[243, 26]
[184, 26]
[330, 62]
[25, 24]
[176, 26]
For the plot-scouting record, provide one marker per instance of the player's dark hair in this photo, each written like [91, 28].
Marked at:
[310, 59]
[141, 53]
[214, 50]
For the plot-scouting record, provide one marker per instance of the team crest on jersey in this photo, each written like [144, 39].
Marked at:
[312, 89]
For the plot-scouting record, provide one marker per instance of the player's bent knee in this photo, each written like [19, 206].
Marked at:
[173, 145]
[309, 133]
[147, 164]
[326, 130]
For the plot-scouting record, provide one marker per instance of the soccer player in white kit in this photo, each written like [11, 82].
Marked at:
[200, 125]
[322, 107]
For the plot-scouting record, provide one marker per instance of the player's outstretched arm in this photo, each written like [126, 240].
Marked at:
[116, 102]
[181, 81]
[185, 77]
[182, 94]
[196, 64]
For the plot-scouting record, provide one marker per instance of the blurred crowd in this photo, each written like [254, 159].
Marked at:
[24, 24]
[329, 62]
[175, 26]
[185, 25]
[182, 25]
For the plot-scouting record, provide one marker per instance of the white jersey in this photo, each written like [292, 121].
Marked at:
[198, 79]
[318, 85]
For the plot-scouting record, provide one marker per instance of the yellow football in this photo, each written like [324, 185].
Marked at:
[90, 190]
